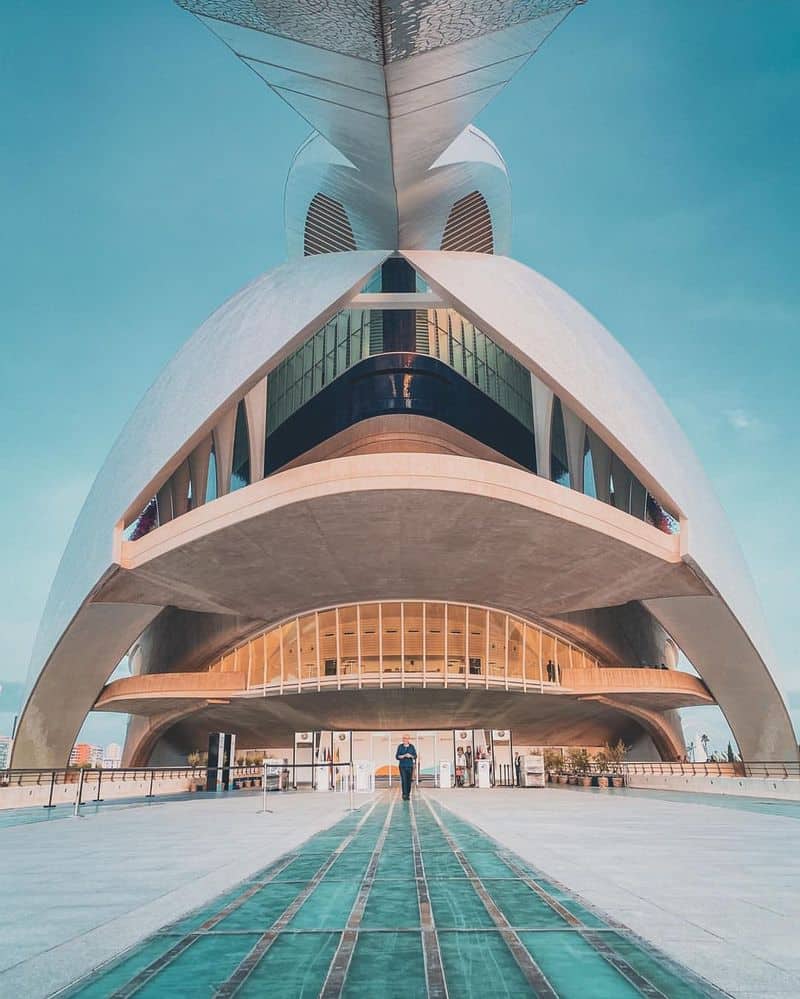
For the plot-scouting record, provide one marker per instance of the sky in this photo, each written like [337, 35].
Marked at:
[654, 152]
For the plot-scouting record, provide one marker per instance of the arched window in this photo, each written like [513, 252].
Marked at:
[240, 471]
[211, 481]
[559, 467]
[328, 228]
[469, 225]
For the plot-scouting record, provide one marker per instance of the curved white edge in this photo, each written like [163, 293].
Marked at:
[229, 352]
[471, 163]
[565, 346]
[537, 322]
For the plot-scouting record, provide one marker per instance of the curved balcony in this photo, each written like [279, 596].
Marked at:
[406, 645]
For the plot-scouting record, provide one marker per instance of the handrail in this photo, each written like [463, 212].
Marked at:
[341, 777]
[768, 769]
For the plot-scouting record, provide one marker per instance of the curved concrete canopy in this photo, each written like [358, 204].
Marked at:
[537, 323]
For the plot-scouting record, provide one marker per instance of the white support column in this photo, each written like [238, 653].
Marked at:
[542, 423]
[164, 501]
[255, 404]
[198, 471]
[316, 629]
[575, 433]
[223, 446]
[180, 489]
[358, 646]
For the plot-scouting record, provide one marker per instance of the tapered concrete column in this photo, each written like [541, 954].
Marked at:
[180, 490]
[542, 424]
[255, 405]
[164, 500]
[575, 433]
[198, 469]
[224, 433]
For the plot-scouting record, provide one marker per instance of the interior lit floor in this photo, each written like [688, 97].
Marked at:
[396, 899]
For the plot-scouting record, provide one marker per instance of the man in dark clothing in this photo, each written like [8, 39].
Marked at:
[406, 757]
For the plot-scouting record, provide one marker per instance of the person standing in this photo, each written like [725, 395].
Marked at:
[468, 761]
[406, 757]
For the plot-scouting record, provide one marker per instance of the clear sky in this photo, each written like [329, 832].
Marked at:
[654, 150]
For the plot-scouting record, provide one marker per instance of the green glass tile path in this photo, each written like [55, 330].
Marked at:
[397, 900]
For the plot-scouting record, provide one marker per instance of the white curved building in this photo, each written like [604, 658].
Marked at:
[401, 481]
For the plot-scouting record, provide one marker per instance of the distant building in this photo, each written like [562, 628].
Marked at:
[85, 755]
[112, 756]
[5, 751]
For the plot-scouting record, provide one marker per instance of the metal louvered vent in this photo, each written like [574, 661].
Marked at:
[328, 228]
[469, 225]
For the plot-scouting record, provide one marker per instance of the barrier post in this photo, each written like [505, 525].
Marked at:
[99, 781]
[77, 812]
[264, 808]
[150, 792]
[52, 788]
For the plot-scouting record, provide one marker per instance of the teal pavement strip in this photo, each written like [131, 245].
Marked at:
[396, 900]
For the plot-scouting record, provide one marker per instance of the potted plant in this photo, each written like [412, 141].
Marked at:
[579, 763]
[600, 763]
[615, 755]
[552, 763]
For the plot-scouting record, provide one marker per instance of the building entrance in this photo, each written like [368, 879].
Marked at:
[445, 757]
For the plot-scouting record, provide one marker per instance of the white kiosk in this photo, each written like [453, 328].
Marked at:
[484, 773]
[445, 773]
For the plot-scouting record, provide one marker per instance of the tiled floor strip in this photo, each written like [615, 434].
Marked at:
[434, 975]
[529, 968]
[244, 969]
[155, 967]
[334, 983]
[592, 936]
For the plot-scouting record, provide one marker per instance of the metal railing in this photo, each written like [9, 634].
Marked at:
[90, 783]
[773, 769]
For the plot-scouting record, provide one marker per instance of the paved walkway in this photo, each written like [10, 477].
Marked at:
[717, 888]
[76, 892]
[398, 900]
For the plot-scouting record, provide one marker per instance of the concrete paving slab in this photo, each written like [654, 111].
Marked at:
[81, 891]
[714, 888]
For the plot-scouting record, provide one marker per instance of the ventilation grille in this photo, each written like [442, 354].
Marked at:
[469, 225]
[328, 228]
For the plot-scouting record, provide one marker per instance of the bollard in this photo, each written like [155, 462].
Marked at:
[150, 792]
[99, 781]
[77, 813]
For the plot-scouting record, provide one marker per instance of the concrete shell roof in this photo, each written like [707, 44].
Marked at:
[549, 332]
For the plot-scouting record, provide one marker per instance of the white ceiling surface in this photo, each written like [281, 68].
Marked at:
[389, 83]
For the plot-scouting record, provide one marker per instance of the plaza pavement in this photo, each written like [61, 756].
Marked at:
[715, 888]
[76, 892]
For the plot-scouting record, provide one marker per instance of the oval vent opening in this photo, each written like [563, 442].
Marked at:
[328, 228]
[469, 225]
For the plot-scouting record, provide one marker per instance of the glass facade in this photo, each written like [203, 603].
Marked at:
[355, 334]
[473, 354]
[394, 642]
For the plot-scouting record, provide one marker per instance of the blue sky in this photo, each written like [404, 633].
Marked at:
[654, 153]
